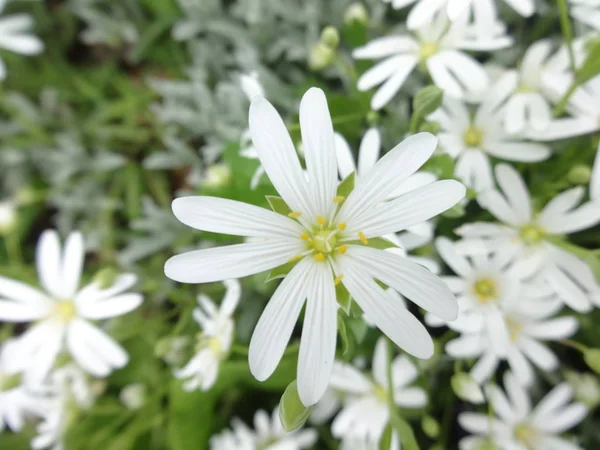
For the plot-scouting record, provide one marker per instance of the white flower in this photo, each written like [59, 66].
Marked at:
[473, 140]
[66, 392]
[268, 434]
[133, 395]
[366, 411]
[584, 106]
[16, 399]
[586, 11]
[526, 92]
[62, 313]
[595, 178]
[527, 238]
[15, 38]
[214, 341]
[515, 425]
[8, 216]
[527, 316]
[368, 155]
[438, 48]
[484, 11]
[327, 236]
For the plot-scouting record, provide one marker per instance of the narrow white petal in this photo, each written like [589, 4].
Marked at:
[319, 333]
[345, 159]
[457, 262]
[112, 307]
[573, 295]
[82, 352]
[220, 215]
[500, 404]
[20, 312]
[319, 149]
[554, 329]
[584, 217]
[93, 292]
[72, 264]
[466, 346]
[515, 190]
[561, 421]
[474, 422]
[525, 8]
[394, 83]
[23, 293]
[275, 326]
[369, 150]
[382, 71]
[48, 263]
[496, 203]
[561, 204]
[25, 45]
[554, 400]
[519, 151]
[565, 128]
[385, 46]
[518, 396]
[232, 261]
[423, 13]
[347, 378]
[595, 180]
[539, 354]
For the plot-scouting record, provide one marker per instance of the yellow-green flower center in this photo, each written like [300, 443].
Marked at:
[65, 310]
[526, 436]
[215, 346]
[428, 49]
[486, 290]
[380, 393]
[473, 137]
[532, 234]
[324, 240]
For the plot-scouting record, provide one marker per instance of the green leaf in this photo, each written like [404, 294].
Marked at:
[591, 65]
[292, 413]
[347, 341]
[343, 297]
[405, 431]
[427, 100]
[592, 359]
[430, 426]
[385, 443]
[346, 186]
[278, 205]
[280, 271]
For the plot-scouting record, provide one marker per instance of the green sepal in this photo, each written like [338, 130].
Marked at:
[347, 341]
[278, 205]
[346, 186]
[292, 413]
[343, 297]
[280, 271]
[378, 243]
[359, 328]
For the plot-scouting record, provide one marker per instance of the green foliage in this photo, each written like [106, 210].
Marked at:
[292, 412]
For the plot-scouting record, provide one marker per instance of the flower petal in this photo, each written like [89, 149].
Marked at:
[48, 263]
[519, 151]
[345, 159]
[20, 312]
[23, 293]
[72, 264]
[113, 307]
[515, 190]
[370, 148]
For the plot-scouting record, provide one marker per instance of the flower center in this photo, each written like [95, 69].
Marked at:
[324, 241]
[428, 49]
[215, 346]
[8, 382]
[380, 393]
[486, 290]
[473, 137]
[65, 310]
[526, 435]
[532, 234]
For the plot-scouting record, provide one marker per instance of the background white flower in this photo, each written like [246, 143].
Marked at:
[15, 37]
[586, 11]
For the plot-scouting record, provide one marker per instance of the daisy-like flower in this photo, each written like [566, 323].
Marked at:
[437, 48]
[268, 434]
[526, 238]
[368, 154]
[15, 37]
[471, 140]
[16, 399]
[67, 392]
[484, 11]
[366, 410]
[215, 340]
[61, 313]
[527, 92]
[587, 12]
[515, 425]
[325, 236]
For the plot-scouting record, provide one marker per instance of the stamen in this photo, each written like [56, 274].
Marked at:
[321, 220]
[304, 236]
[320, 257]
[338, 279]
[342, 249]
[296, 258]
[294, 215]
[362, 238]
[342, 226]
[338, 199]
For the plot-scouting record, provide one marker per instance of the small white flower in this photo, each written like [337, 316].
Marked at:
[515, 425]
[587, 12]
[15, 38]
[437, 48]
[366, 411]
[327, 238]
[16, 399]
[61, 313]
[472, 140]
[214, 341]
[8, 216]
[526, 238]
[527, 316]
[133, 396]
[268, 434]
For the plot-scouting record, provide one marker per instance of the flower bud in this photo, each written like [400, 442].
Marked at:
[330, 37]
[466, 388]
[356, 13]
[579, 174]
[430, 426]
[8, 217]
[592, 359]
[217, 175]
[133, 395]
[321, 56]
[586, 388]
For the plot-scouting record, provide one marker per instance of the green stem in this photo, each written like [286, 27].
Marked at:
[564, 101]
[576, 345]
[565, 25]
[390, 381]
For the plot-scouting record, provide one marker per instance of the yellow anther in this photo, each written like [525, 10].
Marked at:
[321, 220]
[320, 257]
[304, 236]
[338, 199]
[338, 279]
[342, 226]
[342, 249]
[295, 214]
[296, 258]
[362, 238]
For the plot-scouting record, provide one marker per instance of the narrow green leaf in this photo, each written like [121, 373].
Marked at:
[343, 297]
[405, 431]
[385, 443]
[346, 186]
[280, 271]
[347, 341]
[292, 413]
[359, 329]
[278, 205]
[591, 65]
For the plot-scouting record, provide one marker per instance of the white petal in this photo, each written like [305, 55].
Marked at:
[82, 352]
[457, 262]
[94, 292]
[411, 397]
[584, 217]
[520, 366]
[369, 150]
[232, 261]
[404, 371]
[500, 404]
[277, 322]
[385, 46]
[48, 263]
[555, 399]
[319, 149]
[515, 191]
[457, 73]
[319, 333]
[423, 13]
[563, 202]
[518, 396]
[232, 297]
[497, 332]
[561, 421]
[484, 368]
[388, 89]
[595, 180]
[389, 172]
[347, 378]
[409, 209]
[21, 312]
[410, 279]
[72, 264]
[25, 45]
[539, 354]
[525, 8]
[345, 160]
[23, 293]
[518, 151]
[220, 215]
[466, 346]
[112, 307]
[567, 289]
[554, 329]
[564, 128]
[382, 71]
[474, 422]
[278, 155]
[496, 204]
[392, 318]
